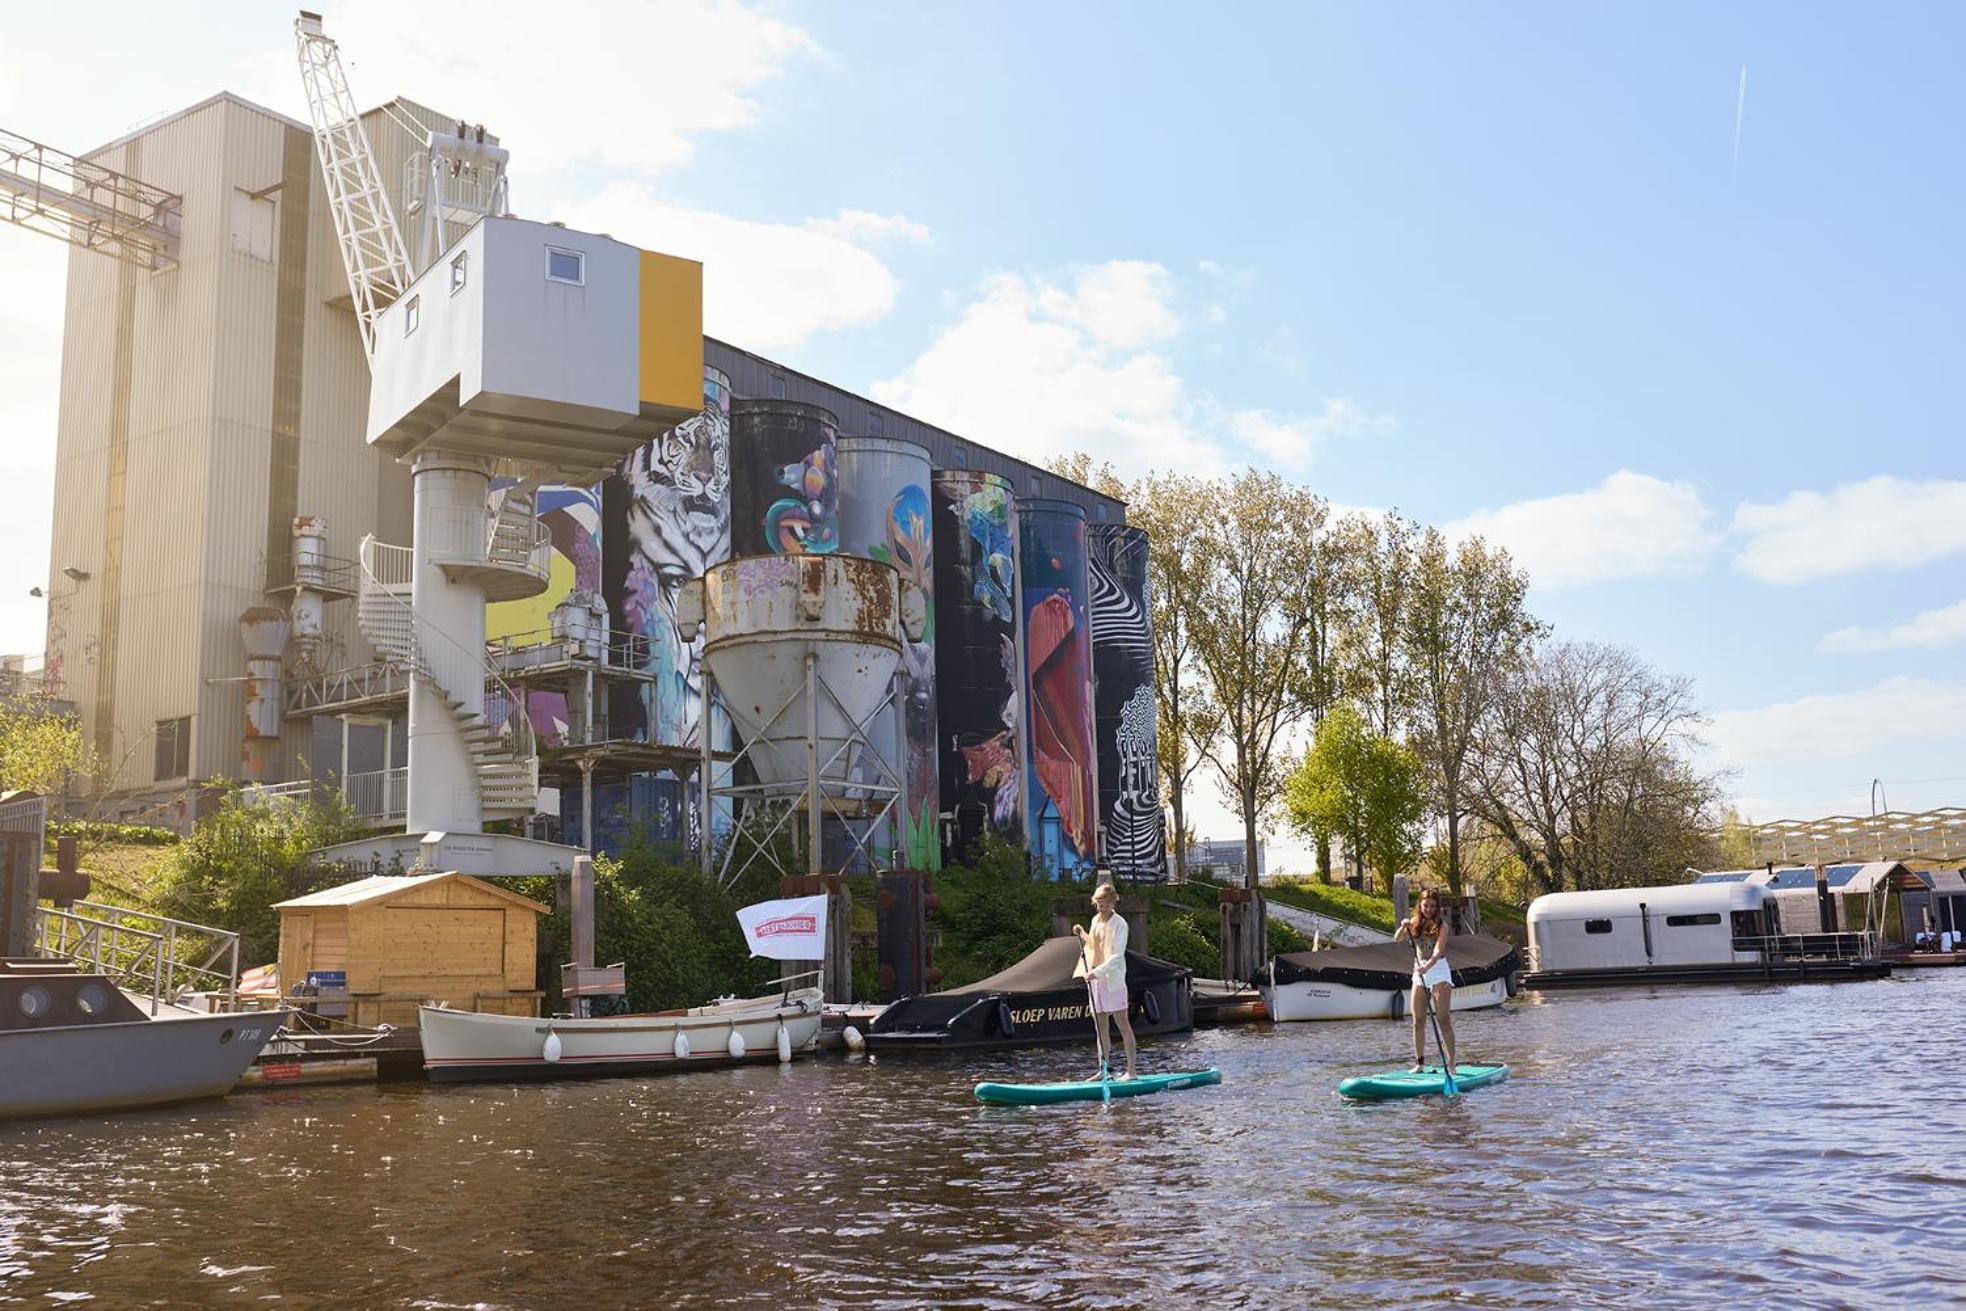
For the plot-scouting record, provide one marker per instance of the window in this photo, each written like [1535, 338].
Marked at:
[1692, 921]
[412, 314]
[173, 748]
[566, 266]
[1037, 485]
[459, 272]
[962, 457]
[252, 224]
[1597, 926]
[777, 388]
[875, 424]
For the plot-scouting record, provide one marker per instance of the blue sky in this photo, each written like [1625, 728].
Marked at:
[1495, 265]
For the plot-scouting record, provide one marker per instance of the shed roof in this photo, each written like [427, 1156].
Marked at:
[381, 887]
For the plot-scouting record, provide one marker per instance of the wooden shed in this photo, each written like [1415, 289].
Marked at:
[401, 940]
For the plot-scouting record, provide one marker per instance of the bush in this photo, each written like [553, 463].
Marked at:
[1282, 938]
[1181, 940]
[993, 913]
[93, 831]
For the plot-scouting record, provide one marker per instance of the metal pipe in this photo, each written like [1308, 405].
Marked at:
[812, 764]
[706, 758]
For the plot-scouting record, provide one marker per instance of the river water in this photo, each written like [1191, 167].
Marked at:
[1700, 1147]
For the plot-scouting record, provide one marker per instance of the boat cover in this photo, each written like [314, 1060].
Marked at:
[1472, 957]
[1051, 968]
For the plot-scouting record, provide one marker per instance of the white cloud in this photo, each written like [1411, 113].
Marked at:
[1039, 367]
[865, 225]
[1628, 526]
[765, 285]
[1879, 523]
[1842, 724]
[1927, 630]
[627, 85]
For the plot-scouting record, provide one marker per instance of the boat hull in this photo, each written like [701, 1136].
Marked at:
[84, 1068]
[470, 1045]
[1796, 971]
[1319, 1000]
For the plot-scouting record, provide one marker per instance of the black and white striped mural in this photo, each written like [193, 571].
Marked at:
[1133, 842]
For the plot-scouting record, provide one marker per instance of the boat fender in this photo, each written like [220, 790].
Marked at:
[785, 1043]
[1005, 1025]
[552, 1050]
[1150, 1004]
[682, 1046]
[1399, 1005]
[736, 1045]
[855, 1040]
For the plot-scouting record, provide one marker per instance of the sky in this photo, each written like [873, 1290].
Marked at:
[1666, 299]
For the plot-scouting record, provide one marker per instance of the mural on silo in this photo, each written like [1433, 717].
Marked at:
[884, 515]
[784, 490]
[1063, 816]
[669, 511]
[1123, 703]
[570, 606]
[977, 670]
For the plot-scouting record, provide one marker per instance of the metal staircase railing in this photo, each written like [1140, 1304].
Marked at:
[505, 750]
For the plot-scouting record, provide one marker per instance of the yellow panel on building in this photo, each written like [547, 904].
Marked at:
[406, 940]
[672, 336]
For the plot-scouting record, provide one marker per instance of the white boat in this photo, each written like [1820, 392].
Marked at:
[1373, 982]
[459, 1045]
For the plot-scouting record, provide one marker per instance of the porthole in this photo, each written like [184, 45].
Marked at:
[34, 1001]
[92, 999]
[225, 1037]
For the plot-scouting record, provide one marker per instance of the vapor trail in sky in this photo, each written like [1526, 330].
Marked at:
[1740, 108]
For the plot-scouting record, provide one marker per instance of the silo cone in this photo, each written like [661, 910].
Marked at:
[784, 479]
[978, 659]
[1061, 795]
[1133, 844]
[884, 515]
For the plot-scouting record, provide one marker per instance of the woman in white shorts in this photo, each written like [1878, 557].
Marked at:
[1103, 962]
[1427, 928]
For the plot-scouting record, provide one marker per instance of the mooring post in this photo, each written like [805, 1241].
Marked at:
[581, 913]
[1402, 898]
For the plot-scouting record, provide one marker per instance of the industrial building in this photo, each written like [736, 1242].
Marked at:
[253, 377]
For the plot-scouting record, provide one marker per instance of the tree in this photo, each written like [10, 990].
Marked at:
[1376, 585]
[1465, 630]
[41, 747]
[1585, 771]
[1256, 543]
[1364, 789]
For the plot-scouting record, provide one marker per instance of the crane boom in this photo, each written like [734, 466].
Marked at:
[372, 249]
[81, 202]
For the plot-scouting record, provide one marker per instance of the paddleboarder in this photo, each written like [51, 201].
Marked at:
[1104, 962]
[1433, 978]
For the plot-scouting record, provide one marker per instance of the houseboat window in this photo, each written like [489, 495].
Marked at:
[92, 999]
[1691, 921]
[1597, 926]
[34, 1001]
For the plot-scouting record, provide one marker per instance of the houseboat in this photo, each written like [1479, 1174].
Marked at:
[1715, 932]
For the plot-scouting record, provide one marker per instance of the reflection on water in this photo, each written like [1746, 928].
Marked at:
[1703, 1147]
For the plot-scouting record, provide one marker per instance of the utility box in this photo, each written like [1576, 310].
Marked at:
[394, 942]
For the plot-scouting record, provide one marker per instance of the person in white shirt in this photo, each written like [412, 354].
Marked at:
[1103, 961]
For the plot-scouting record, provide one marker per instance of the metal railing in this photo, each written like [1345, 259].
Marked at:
[378, 796]
[379, 681]
[518, 652]
[153, 954]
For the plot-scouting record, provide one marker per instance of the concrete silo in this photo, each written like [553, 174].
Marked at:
[1061, 794]
[1132, 841]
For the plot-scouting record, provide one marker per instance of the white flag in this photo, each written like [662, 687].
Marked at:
[792, 929]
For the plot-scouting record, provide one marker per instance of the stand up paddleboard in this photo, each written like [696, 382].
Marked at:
[1090, 1090]
[1427, 1082]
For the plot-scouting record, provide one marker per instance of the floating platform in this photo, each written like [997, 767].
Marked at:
[1800, 970]
[358, 1056]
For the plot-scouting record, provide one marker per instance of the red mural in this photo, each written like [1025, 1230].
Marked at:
[1060, 671]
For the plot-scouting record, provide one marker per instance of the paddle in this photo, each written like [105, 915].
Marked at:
[1427, 997]
[1098, 1029]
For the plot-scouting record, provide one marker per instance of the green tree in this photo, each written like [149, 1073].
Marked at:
[1365, 790]
[1466, 630]
[1377, 582]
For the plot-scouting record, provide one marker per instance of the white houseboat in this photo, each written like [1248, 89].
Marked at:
[1694, 933]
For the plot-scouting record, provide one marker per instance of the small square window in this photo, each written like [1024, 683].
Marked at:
[962, 457]
[412, 314]
[459, 272]
[777, 388]
[1037, 485]
[566, 266]
[875, 424]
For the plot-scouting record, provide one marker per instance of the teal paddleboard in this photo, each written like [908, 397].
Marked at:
[1406, 1083]
[1091, 1090]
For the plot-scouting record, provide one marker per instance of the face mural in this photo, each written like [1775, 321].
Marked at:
[785, 482]
[1062, 798]
[909, 548]
[1125, 722]
[978, 709]
[674, 507]
[805, 523]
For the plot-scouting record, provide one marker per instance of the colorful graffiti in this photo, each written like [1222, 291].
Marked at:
[781, 447]
[669, 508]
[1062, 796]
[572, 516]
[978, 676]
[1126, 727]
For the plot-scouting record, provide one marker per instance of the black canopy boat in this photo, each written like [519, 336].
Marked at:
[1037, 1000]
[1361, 983]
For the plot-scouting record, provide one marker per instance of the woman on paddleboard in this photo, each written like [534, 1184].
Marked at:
[1427, 929]
[1103, 959]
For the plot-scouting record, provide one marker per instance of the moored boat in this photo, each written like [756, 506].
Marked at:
[72, 1041]
[461, 1045]
[1373, 982]
[1038, 1000]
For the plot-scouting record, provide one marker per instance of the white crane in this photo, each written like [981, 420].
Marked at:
[372, 249]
